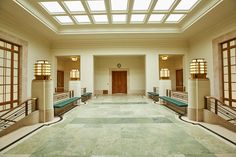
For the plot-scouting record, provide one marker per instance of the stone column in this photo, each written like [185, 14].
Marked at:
[197, 89]
[163, 86]
[43, 90]
[76, 87]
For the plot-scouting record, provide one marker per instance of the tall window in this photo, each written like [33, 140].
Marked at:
[229, 72]
[9, 75]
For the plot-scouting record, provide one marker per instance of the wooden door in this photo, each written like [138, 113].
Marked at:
[179, 80]
[60, 81]
[119, 82]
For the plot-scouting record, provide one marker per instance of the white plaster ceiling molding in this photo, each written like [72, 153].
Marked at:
[118, 16]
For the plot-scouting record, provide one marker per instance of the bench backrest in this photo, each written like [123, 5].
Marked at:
[156, 89]
[83, 91]
[57, 97]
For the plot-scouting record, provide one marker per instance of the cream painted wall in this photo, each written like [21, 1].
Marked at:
[200, 46]
[134, 65]
[173, 63]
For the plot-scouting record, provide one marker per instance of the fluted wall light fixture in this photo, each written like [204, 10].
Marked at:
[42, 70]
[74, 74]
[165, 74]
[198, 68]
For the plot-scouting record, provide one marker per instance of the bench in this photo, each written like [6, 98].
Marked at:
[178, 101]
[85, 95]
[154, 96]
[64, 102]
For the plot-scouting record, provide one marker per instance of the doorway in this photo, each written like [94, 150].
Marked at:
[60, 81]
[119, 82]
[179, 80]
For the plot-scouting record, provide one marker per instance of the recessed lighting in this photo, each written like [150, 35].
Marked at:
[186, 4]
[119, 5]
[164, 4]
[141, 4]
[137, 17]
[64, 19]
[100, 18]
[74, 6]
[82, 18]
[52, 7]
[97, 5]
[156, 17]
[119, 18]
[174, 17]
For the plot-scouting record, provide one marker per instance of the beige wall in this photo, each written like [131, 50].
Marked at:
[200, 46]
[134, 65]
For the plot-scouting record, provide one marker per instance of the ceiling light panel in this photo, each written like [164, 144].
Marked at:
[137, 18]
[186, 4]
[174, 18]
[119, 18]
[156, 18]
[64, 19]
[100, 18]
[52, 7]
[164, 5]
[96, 5]
[74, 6]
[141, 4]
[82, 19]
[119, 5]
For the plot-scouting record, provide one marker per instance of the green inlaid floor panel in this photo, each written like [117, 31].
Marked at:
[122, 127]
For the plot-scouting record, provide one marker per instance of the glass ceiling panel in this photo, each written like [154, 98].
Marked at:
[120, 11]
[74, 6]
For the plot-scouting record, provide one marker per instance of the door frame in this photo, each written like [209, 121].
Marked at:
[110, 78]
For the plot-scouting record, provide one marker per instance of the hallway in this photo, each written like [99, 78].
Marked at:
[122, 126]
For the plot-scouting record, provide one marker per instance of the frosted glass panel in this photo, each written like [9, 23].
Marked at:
[15, 64]
[1, 61]
[8, 72]
[8, 80]
[15, 96]
[224, 45]
[233, 60]
[8, 97]
[8, 46]
[1, 98]
[233, 104]
[15, 104]
[8, 63]
[226, 86]
[1, 108]
[233, 86]
[225, 70]
[8, 106]
[16, 48]
[1, 89]
[225, 62]
[1, 53]
[234, 95]
[225, 54]
[8, 89]
[232, 43]
[15, 88]
[15, 56]
[15, 72]
[1, 43]
[225, 78]
[15, 80]
[226, 102]
[232, 52]
[233, 69]
[233, 77]
[226, 94]
[1, 78]
[8, 55]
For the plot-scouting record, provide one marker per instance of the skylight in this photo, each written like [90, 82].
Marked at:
[186, 4]
[141, 4]
[137, 18]
[100, 18]
[119, 5]
[174, 17]
[164, 4]
[82, 19]
[74, 6]
[97, 5]
[64, 19]
[156, 17]
[52, 7]
[119, 18]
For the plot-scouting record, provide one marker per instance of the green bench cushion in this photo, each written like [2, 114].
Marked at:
[65, 102]
[174, 101]
[153, 93]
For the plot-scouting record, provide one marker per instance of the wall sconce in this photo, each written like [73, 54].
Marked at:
[198, 68]
[165, 74]
[164, 58]
[42, 70]
[74, 74]
[74, 59]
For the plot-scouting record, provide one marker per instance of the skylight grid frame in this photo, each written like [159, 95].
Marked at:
[66, 4]
[187, 10]
[93, 8]
[47, 8]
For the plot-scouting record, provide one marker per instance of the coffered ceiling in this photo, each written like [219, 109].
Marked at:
[118, 16]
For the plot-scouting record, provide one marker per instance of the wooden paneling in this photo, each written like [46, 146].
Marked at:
[119, 82]
[179, 80]
[60, 81]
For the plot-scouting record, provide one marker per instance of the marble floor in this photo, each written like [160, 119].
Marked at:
[121, 126]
